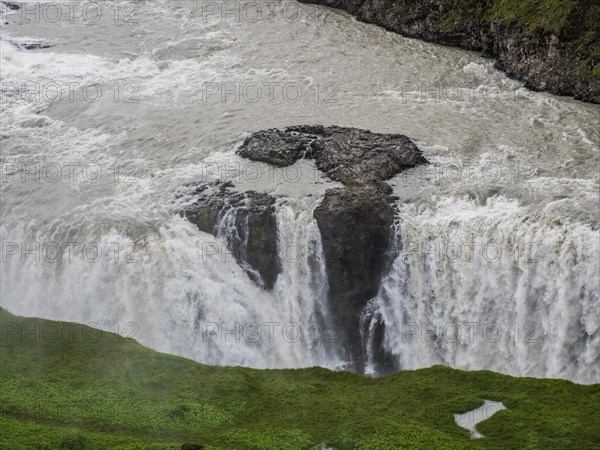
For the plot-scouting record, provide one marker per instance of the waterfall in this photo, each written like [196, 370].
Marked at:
[107, 247]
[228, 235]
[174, 293]
[469, 285]
[488, 287]
[302, 284]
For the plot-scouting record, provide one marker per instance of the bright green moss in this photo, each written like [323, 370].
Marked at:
[551, 16]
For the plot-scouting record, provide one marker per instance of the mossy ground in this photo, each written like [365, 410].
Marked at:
[552, 16]
[574, 22]
[69, 386]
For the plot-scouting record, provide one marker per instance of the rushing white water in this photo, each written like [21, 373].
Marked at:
[485, 285]
[82, 172]
[216, 314]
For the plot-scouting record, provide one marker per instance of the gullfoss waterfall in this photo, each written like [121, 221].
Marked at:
[481, 273]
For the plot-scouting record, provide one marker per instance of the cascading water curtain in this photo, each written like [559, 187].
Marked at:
[487, 287]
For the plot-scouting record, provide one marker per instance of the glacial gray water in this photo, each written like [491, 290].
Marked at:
[496, 260]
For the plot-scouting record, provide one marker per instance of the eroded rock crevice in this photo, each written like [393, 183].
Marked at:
[355, 221]
[245, 220]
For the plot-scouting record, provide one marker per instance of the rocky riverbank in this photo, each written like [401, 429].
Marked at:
[550, 47]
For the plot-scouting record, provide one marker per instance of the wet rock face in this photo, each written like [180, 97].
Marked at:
[355, 156]
[246, 220]
[355, 225]
[355, 221]
[349, 155]
[280, 148]
[561, 62]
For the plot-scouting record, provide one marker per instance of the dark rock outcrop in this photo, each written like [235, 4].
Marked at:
[355, 224]
[11, 5]
[246, 220]
[355, 156]
[280, 148]
[32, 45]
[349, 155]
[552, 49]
[20, 43]
[355, 221]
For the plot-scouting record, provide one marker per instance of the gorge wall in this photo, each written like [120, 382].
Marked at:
[550, 47]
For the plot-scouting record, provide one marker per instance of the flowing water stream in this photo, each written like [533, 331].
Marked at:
[496, 255]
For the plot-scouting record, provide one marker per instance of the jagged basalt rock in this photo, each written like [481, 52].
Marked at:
[355, 222]
[557, 53]
[349, 155]
[355, 156]
[280, 148]
[34, 45]
[11, 5]
[246, 220]
[355, 225]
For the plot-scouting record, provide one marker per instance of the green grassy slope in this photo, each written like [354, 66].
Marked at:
[65, 385]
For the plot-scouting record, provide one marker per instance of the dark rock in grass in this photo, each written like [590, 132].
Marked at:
[246, 220]
[73, 443]
[192, 447]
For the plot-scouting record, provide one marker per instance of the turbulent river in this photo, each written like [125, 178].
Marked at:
[495, 262]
